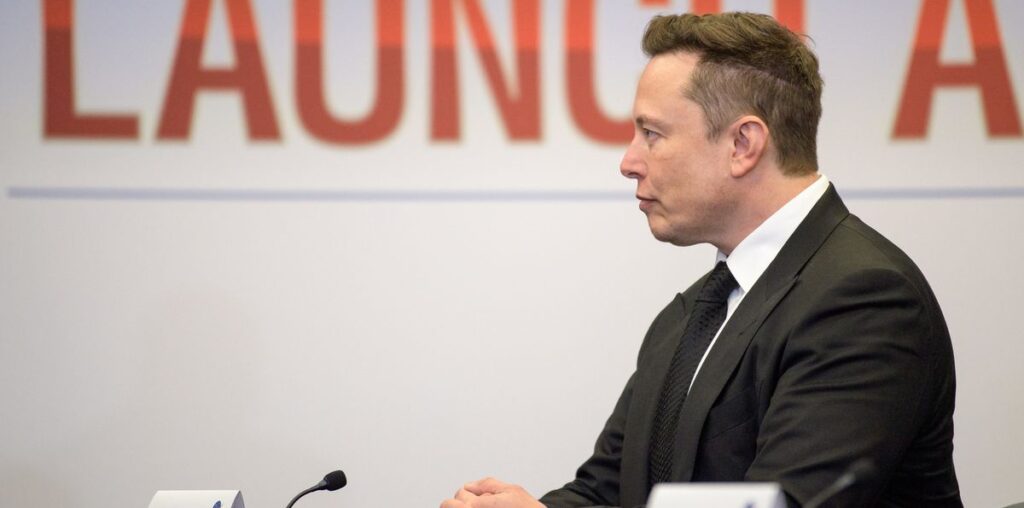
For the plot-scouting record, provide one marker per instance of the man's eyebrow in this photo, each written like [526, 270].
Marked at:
[643, 120]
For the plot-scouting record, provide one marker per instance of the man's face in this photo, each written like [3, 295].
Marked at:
[682, 179]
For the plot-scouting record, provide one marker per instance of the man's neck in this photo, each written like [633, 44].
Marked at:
[762, 199]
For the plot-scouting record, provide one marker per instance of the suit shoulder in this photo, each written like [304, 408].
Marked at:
[855, 247]
[857, 259]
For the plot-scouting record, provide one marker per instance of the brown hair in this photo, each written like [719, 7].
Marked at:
[749, 64]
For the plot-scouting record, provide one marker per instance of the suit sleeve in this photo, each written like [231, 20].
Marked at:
[853, 382]
[597, 480]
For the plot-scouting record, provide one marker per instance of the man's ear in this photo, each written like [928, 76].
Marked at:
[749, 136]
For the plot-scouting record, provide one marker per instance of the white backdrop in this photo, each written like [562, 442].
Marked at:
[224, 313]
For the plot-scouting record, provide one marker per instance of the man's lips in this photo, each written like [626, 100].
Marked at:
[645, 202]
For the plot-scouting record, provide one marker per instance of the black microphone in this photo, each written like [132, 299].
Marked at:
[858, 472]
[332, 481]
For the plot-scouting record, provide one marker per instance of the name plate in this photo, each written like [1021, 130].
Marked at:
[197, 499]
[717, 495]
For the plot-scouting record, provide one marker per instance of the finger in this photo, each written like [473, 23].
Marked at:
[486, 486]
[496, 501]
[464, 495]
[453, 503]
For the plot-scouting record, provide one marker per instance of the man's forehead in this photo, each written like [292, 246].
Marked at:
[662, 87]
[673, 62]
[667, 73]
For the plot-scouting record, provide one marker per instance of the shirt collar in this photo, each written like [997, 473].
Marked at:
[753, 255]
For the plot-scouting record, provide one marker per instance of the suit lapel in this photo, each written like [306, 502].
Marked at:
[723, 358]
[731, 345]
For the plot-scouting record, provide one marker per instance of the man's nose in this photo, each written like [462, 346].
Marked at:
[632, 166]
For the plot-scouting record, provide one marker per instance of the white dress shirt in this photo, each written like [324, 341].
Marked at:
[753, 255]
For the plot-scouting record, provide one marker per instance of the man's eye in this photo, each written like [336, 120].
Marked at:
[649, 134]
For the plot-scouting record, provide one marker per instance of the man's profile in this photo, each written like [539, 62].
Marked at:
[814, 342]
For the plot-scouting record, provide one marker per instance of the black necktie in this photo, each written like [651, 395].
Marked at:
[706, 318]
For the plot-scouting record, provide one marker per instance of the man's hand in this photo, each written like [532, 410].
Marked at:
[491, 493]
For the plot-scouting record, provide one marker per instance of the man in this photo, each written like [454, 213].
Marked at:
[813, 344]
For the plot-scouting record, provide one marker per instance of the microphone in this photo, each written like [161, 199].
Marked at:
[332, 481]
[858, 473]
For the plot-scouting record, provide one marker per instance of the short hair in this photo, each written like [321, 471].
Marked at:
[749, 64]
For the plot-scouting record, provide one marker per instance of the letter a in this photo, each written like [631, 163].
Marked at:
[248, 76]
[988, 72]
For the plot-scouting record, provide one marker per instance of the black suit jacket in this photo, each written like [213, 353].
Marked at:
[839, 351]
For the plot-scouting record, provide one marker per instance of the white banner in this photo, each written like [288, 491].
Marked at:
[248, 241]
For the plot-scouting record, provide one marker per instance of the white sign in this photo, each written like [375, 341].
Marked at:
[717, 495]
[197, 499]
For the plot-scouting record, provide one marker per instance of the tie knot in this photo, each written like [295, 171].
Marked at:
[719, 285]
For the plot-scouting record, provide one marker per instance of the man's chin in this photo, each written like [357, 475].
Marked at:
[668, 236]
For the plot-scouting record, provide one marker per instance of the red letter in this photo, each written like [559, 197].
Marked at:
[988, 72]
[579, 41]
[705, 6]
[309, 76]
[60, 117]
[521, 113]
[791, 14]
[788, 12]
[248, 76]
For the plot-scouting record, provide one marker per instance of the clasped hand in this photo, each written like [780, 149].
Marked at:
[491, 493]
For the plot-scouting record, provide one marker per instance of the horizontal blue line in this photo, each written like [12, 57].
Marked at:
[442, 196]
[935, 193]
[411, 196]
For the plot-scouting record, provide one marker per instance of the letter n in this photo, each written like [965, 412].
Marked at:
[309, 76]
[59, 117]
[520, 111]
[247, 77]
[988, 72]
